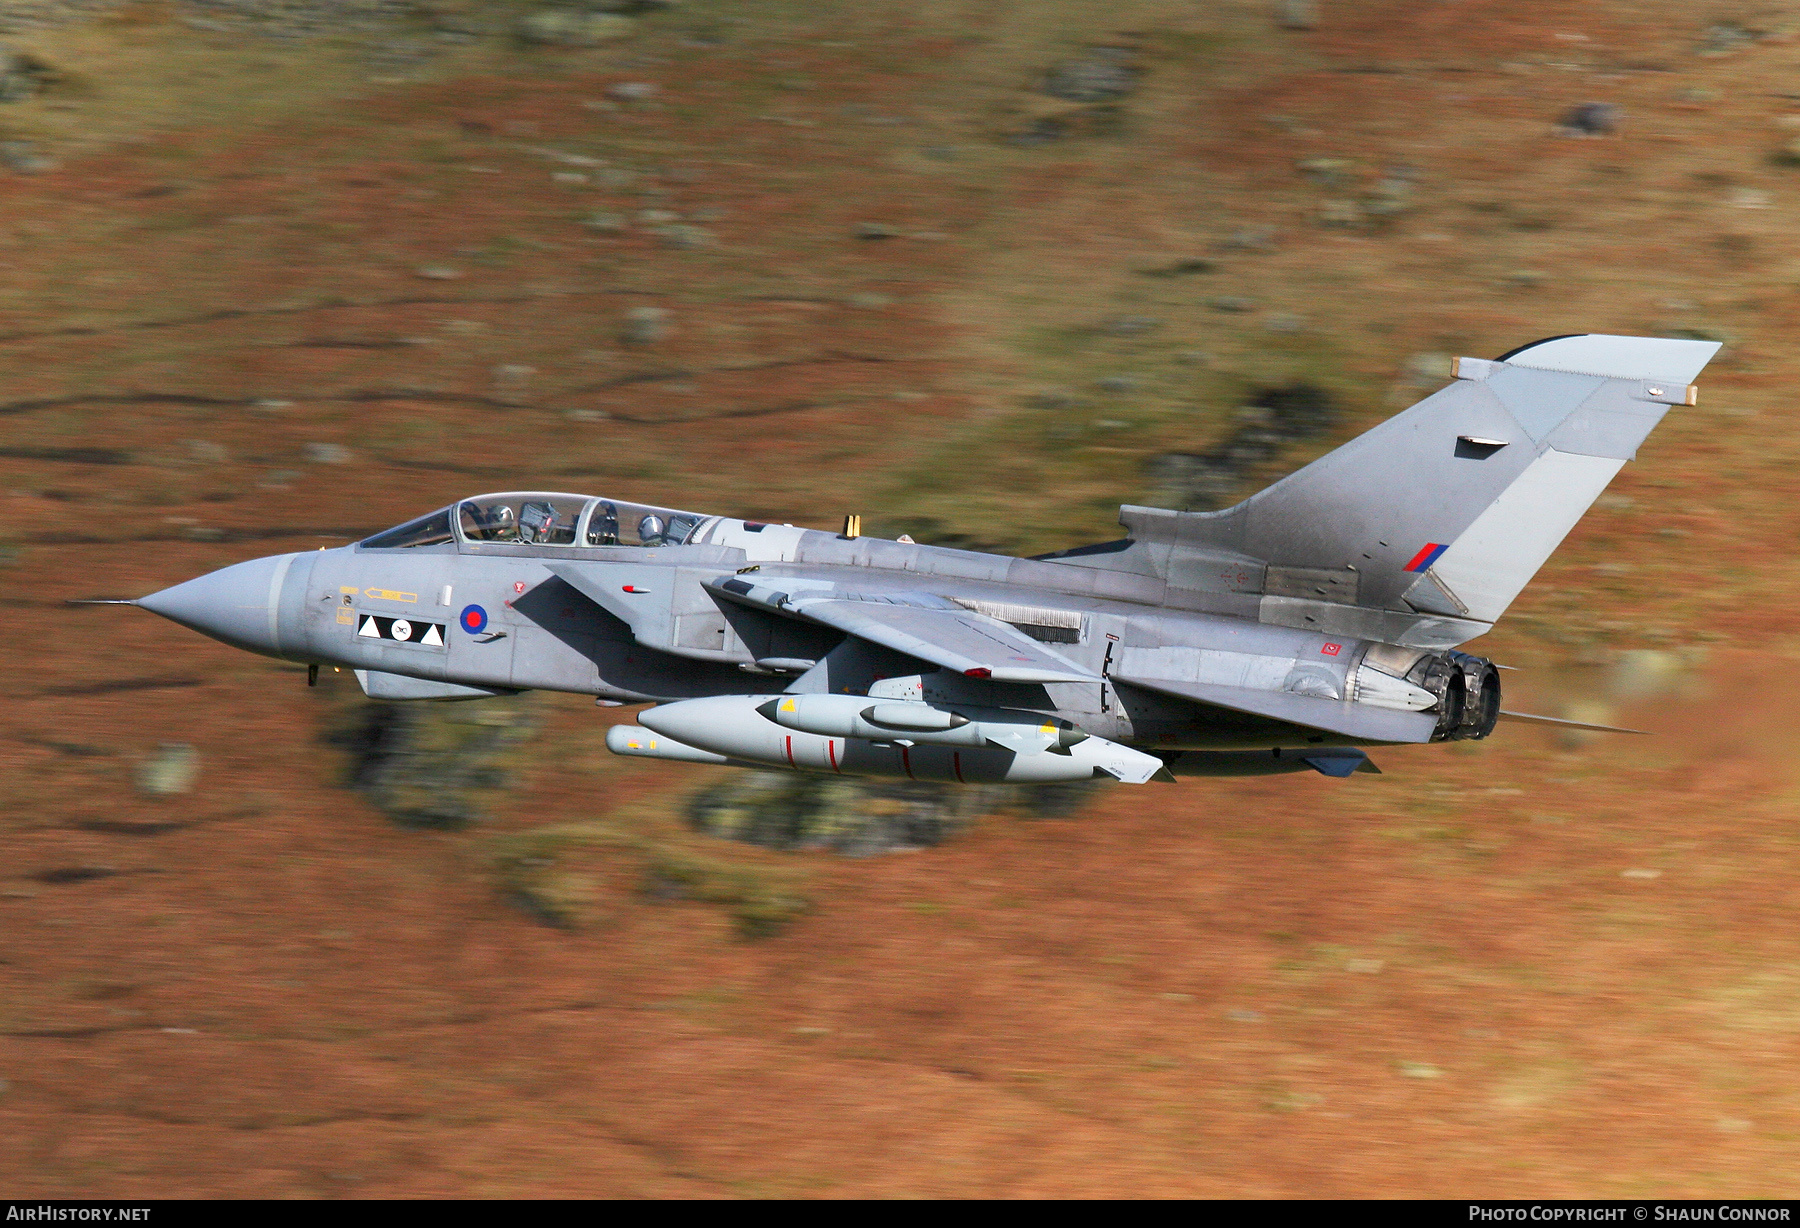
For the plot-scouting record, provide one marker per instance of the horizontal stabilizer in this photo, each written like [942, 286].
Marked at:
[1351, 720]
[1338, 761]
[1556, 722]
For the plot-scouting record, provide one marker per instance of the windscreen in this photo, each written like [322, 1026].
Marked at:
[432, 530]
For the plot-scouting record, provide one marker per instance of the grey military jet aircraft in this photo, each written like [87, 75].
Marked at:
[1316, 618]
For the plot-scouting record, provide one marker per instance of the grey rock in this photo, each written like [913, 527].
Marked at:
[1182, 268]
[875, 230]
[1279, 416]
[326, 453]
[605, 223]
[1326, 172]
[1118, 383]
[1644, 673]
[1591, 119]
[511, 380]
[1297, 14]
[645, 326]
[858, 818]
[1053, 398]
[568, 28]
[1285, 322]
[20, 75]
[1128, 326]
[1248, 240]
[683, 237]
[1040, 132]
[1102, 75]
[24, 158]
[1427, 369]
[170, 770]
[206, 452]
[1232, 304]
[1725, 37]
[1388, 199]
[633, 91]
[434, 764]
[438, 272]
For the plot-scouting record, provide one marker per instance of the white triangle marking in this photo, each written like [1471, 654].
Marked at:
[431, 635]
[369, 628]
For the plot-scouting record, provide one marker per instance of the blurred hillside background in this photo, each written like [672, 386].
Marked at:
[275, 274]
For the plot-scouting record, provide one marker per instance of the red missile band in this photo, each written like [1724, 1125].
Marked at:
[978, 672]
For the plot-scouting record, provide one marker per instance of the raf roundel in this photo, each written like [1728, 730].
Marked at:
[474, 619]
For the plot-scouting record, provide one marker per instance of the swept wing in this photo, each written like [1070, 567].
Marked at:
[920, 625]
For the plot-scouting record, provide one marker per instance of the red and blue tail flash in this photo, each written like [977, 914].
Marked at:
[1426, 557]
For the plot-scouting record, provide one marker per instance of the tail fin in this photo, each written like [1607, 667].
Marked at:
[1423, 530]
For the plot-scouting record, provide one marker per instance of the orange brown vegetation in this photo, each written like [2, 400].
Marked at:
[1440, 981]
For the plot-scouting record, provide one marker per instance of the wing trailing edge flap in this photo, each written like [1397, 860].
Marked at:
[958, 640]
[920, 625]
[1349, 720]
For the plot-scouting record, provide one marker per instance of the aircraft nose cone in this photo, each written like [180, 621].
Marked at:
[240, 605]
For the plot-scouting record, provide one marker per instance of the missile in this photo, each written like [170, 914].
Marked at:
[854, 716]
[639, 743]
[997, 751]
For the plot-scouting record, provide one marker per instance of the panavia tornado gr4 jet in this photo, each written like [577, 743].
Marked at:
[1316, 618]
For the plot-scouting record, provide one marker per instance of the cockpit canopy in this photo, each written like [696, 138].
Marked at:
[536, 518]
